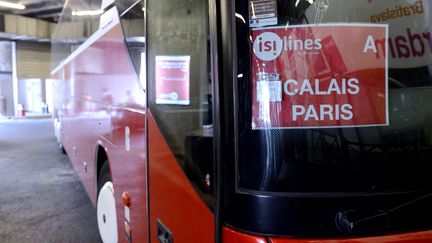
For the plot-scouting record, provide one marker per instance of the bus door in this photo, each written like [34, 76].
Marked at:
[180, 129]
[129, 129]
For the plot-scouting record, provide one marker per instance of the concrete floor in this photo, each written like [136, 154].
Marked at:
[41, 197]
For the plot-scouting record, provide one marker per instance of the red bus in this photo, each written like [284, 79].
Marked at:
[249, 121]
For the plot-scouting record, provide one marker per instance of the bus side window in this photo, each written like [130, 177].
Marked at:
[124, 6]
[74, 28]
[179, 88]
[132, 19]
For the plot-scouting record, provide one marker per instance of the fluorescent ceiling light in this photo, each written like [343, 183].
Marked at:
[11, 5]
[87, 12]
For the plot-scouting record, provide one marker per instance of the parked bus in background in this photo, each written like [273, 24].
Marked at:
[249, 120]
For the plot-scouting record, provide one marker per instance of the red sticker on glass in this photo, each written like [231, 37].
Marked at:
[172, 80]
[327, 75]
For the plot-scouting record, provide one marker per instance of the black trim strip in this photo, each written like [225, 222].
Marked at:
[214, 22]
[226, 113]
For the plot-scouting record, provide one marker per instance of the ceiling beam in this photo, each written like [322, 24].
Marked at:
[47, 16]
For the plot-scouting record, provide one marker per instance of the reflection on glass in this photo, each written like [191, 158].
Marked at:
[80, 19]
[179, 87]
[373, 159]
[132, 19]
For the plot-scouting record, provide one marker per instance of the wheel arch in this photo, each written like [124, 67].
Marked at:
[100, 159]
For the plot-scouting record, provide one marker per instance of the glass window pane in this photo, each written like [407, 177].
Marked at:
[394, 157]
[74, 27]
[132, 20]
[179, 85]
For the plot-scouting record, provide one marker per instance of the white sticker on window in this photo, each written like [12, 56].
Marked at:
[262, 13]
[269, 91]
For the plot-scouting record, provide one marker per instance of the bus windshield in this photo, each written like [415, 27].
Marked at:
[333, 96]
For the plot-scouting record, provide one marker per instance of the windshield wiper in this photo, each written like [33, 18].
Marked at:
[357, 222]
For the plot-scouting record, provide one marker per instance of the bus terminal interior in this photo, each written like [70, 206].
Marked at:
[38, 185]
[226, 121]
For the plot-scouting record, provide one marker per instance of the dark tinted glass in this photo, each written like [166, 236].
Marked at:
[125, 5]
[179, 85]
[373, 159]
[132, 19]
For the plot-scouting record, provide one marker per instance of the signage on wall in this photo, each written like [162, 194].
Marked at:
[172, 80]
[319, 76]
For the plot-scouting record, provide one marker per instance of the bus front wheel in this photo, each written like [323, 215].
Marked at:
[106, 209]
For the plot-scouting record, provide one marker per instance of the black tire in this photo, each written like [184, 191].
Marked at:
[63, 150]
[104, 176]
